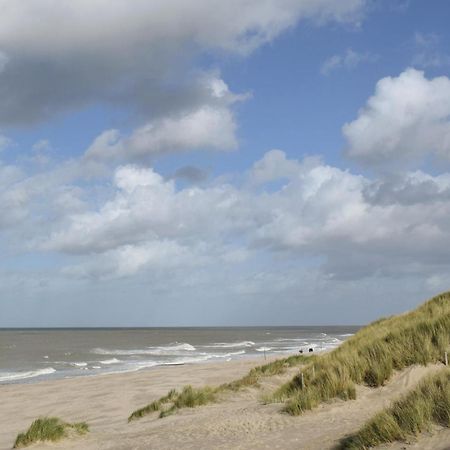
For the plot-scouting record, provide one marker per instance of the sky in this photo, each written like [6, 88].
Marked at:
[210, 163]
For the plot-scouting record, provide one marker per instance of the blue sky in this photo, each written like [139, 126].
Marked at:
[177, 163]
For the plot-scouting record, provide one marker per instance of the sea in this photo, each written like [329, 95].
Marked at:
[30, 355]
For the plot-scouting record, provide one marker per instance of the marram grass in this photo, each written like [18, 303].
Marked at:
[48, 429]
[191, 397]
[371, 356]
[417, 411]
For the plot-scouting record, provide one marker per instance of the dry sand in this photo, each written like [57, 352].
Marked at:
[240, 421]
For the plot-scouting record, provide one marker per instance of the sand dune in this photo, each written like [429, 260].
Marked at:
[240, 421]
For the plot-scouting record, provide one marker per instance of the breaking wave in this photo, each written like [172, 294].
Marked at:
[12, 376]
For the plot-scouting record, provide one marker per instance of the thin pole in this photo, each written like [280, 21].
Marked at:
[303, 381]
[446, 358]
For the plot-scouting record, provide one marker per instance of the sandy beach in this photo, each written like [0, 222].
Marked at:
[239, 421]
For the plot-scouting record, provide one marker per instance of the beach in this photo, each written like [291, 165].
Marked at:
[238, 421]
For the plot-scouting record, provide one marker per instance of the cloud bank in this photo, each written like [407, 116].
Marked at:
[131, 54]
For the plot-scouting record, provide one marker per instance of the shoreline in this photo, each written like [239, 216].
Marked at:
[30, 358]
[252, 358]
[105, 401]
[239, 421]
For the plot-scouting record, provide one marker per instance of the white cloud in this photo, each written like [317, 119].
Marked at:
[273, 166]
[209, 126]
[409, 189]
[348, 60]
[406, 119]
[205, 128]
[317, 211]
[146, 207]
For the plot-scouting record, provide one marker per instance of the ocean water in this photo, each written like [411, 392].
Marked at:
[31, 355]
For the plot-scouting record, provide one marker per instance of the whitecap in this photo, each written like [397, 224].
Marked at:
[227, 355]
[172, 349]
[110, 361]
[232, 344]
[12, 376]
[290, 340]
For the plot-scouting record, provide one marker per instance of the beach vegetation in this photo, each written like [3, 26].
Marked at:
[371, 356]
[49, 429]
[157, 405]
[191, 397]
[426, 405]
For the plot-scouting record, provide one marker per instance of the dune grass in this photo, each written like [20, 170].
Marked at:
[157, 405]
[191, 397]
[48, 429]
[417, 411]
[371, 355]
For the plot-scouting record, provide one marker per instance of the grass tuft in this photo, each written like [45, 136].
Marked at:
[154, 406]
[48, 429]
[417, 411]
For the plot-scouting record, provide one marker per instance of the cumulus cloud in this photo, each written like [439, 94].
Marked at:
[409, 189]
[407, 118]
[204, 128]
[315, 212]
[147, 207]
[210, 126]
[133, 54]
[349, 60]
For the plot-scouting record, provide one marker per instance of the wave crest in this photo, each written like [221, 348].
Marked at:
[12, 376]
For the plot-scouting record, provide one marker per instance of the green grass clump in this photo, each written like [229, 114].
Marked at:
[154, 406]
[371, 355]
[427, 404]
[191, 397]
[48, 429]
[271, 369]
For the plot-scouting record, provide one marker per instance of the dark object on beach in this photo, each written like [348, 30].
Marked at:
[300, 351]
[311, 350]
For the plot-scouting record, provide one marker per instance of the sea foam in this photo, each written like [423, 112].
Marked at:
[232, 344]
[172, 349]
[12, 376]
